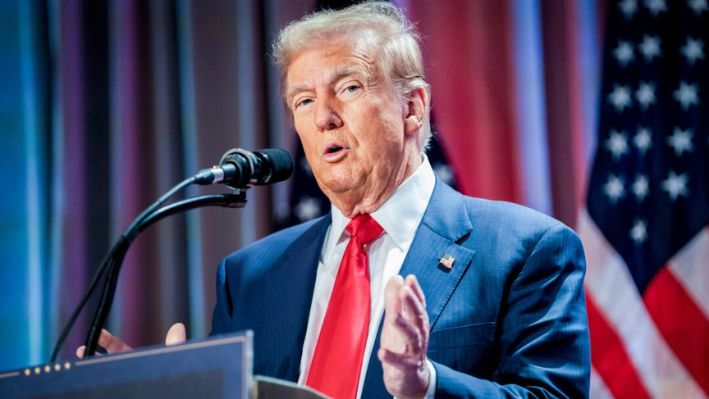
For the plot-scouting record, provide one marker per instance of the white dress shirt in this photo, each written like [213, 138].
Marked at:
[399, 216]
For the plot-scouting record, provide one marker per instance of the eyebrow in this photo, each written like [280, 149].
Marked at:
[347, 70]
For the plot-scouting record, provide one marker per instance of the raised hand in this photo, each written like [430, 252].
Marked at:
[404, 339]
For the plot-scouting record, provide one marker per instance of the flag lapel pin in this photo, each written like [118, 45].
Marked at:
[447, 261]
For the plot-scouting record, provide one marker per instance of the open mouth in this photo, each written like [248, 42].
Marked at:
[334, 149]
[335, 153]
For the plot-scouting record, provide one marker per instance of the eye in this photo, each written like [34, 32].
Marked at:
[350, 90]
[353, 88]
[302, 102]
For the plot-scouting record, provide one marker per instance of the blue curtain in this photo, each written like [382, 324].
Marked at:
[26, 266]
[104, 106]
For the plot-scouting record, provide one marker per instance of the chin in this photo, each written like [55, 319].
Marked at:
[340, 184]
[338, 188]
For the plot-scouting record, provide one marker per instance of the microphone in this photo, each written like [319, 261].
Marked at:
[240, 168]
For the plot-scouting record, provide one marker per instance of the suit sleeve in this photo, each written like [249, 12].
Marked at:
[543, 330]
[223, 309]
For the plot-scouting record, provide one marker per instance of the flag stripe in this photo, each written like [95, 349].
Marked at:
[615, 362]
[689, 266]
[598, 389]
[685, 331]
[613, 291]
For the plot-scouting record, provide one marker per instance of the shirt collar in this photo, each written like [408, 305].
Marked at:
[399, 216]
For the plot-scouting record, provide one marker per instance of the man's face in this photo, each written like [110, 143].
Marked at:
[350, 121]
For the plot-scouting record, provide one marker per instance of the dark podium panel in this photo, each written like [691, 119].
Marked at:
[215, 368]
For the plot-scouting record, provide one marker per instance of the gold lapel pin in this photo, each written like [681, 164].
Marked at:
[447, 261]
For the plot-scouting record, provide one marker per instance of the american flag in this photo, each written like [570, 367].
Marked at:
[645, 225]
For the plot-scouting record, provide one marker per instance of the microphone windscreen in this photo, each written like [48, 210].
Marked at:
[281, 161]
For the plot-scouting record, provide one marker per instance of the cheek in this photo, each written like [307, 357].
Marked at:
[308, 148]
[302, 123]
[304, 136]
[388, 135]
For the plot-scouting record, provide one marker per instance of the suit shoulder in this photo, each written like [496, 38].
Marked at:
[489, 220]
[512, 234]
[275, 243]
[522, 230]
[510, 217]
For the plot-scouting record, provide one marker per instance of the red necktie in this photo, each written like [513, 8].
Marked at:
[337, 360]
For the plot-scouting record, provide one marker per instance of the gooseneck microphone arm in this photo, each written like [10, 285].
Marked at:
[238, 169]
[236, 200]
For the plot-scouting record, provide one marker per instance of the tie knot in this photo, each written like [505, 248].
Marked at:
[364, 228]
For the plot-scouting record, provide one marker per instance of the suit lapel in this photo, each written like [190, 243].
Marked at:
[444, 225]
[297, 272]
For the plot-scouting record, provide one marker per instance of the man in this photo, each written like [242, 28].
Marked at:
[493, 301]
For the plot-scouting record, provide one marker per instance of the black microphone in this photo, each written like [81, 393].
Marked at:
[240, 168]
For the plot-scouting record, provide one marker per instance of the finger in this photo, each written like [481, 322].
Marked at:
[415, 310]
[111, 343]
[405, 327]
[418, 318]
[177, 334]
[413, 283]
[412, 336]
[81, 351]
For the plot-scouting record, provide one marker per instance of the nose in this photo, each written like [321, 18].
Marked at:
[326, 117]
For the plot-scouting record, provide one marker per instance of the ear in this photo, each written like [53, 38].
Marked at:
[415, 110]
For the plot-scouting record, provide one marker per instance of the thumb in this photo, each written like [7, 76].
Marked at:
[177, 334]
[80, 351]
[392, 303]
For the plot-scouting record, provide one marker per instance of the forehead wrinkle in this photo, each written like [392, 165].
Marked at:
[344, 71]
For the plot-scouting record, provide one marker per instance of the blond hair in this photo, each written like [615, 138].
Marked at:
[391, 35]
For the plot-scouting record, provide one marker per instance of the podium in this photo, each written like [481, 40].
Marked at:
[216, 368]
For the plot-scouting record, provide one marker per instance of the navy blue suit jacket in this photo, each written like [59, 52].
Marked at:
[507, 320]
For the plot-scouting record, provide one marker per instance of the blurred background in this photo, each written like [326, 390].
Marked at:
[592, 111]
